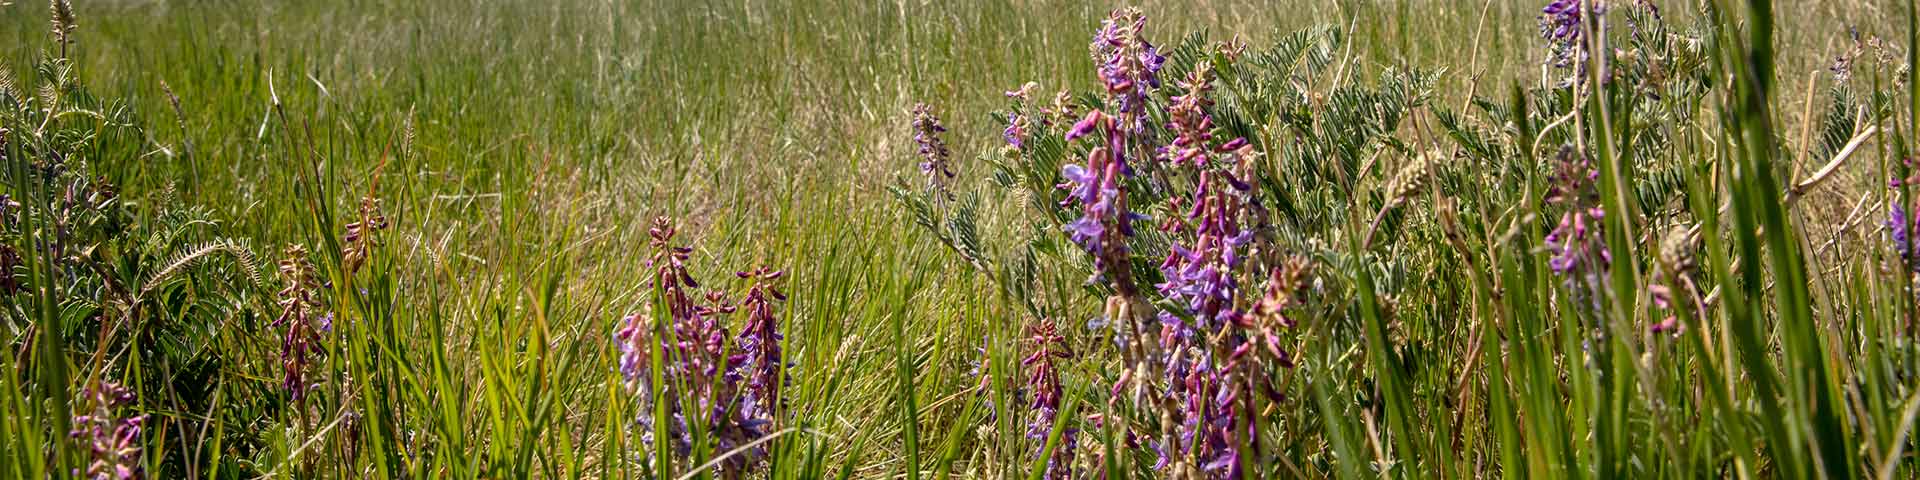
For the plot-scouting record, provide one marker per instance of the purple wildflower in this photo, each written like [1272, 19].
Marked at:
[1209, 359]
[360, 239]
[1561, 24]
[1212, 351]
[1096, 187]
[1189, 120]
[1024, 93]
[936, 161]
[1663, 298]
[634, 356]
[730, 385]
[112, 442]
[1043, 379]
[1901, 221]
[1901, 226]
[1105, 221]
[1129, 66]
[1086, 125]
[1018, 128]
[760, 340]
[1020, 121]
[1579, 251]
[299, 301]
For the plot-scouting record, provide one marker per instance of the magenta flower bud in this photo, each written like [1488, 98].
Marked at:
[1085, 126]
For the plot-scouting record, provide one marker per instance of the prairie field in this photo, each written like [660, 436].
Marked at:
[988, 239]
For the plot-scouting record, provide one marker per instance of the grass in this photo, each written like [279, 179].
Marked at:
[520, 148]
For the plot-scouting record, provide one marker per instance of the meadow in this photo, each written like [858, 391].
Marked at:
[992, 239]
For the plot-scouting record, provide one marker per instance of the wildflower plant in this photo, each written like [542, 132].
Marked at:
[1621, 239]
[109, 435]
[1202, 338]
[142, 301]
[703, 394]
[1204, 191]
[936, 160]
[300, 320]
[1577, 248]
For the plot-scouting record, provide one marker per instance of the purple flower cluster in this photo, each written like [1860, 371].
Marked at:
[1105, 223]
[1129, 66]
[111, 442]
[731, 384]
[1901, 222]
[360, 239]
[1214, 354]
[1200, 274]
[1043, 380]
[1019, 123]
[759, 343]
[1192, 126]
[936, 161]
[1579, 252]
[1212, 350]
[1562, 25]
[1900, 225]
[299, 303]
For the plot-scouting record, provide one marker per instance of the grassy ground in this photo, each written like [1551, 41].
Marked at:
[522, 147]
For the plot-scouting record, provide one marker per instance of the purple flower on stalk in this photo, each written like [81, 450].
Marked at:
[634, 357]
[1901, 221]
[1086, 126]
[1024, 93]
[361, 237]
[728, 385]
[1105, 222]
[1560, 20]
[1577, 248]
[1019, 121]
[1901, 226]
[1189, 121]
[760, 340]
[1201, 274]
[1043, 379]
[112, 442]
[299, 304]
[936, 160]
[1214, 349]
[1019, 129]
[1129, 66]
[1663, 298]
[1561, 24]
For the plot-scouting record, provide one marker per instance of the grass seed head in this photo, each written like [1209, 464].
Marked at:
[63, 23]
